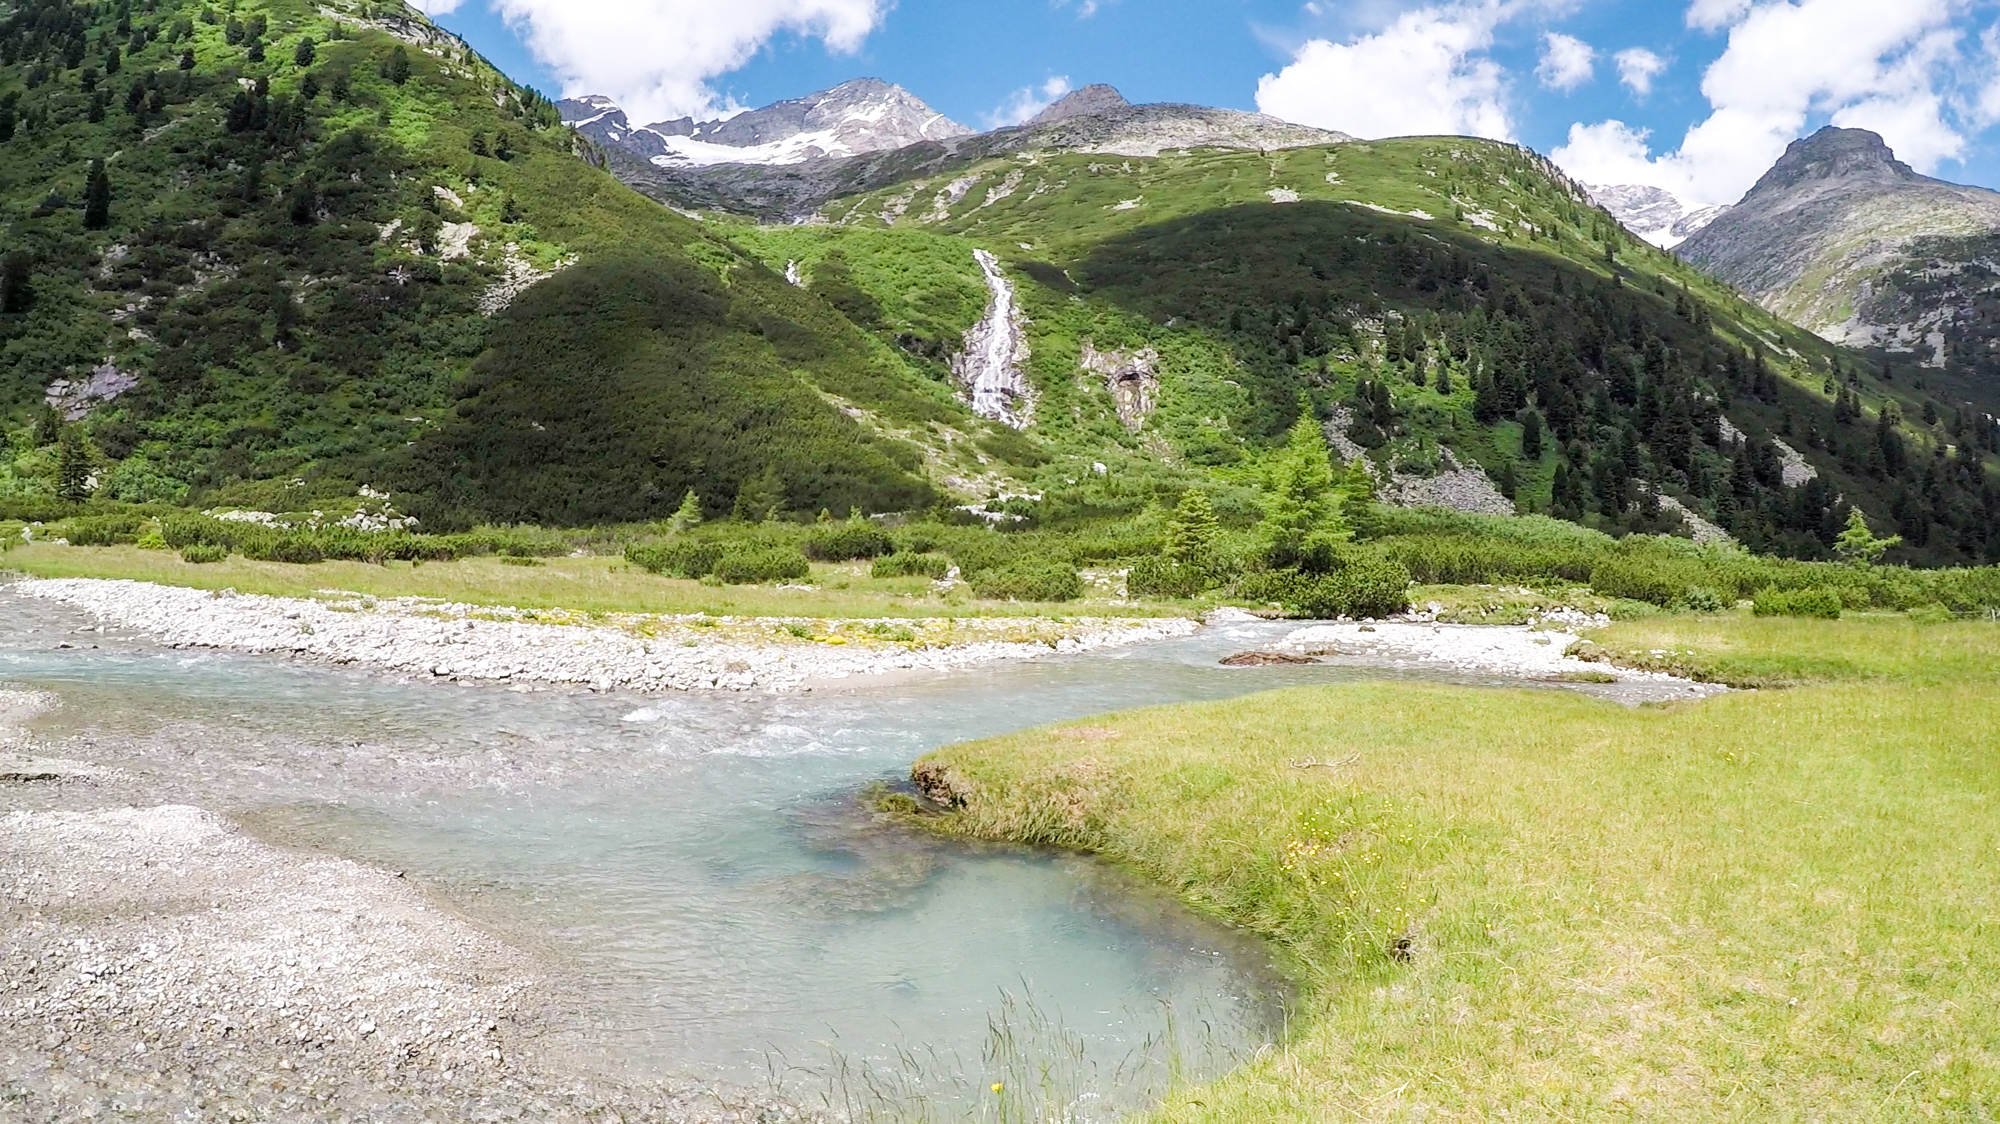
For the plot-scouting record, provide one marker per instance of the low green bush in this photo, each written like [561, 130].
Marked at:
[201, 553]
[680, 558]
[845, 542]
[1034, 579]
[904, 564]
[1160, 576]
[1818, 601]
[99, 530]
[1360, 587]
[774, 564]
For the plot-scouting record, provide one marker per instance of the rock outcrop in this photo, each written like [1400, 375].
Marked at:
[1653, 214]
[1129, 377]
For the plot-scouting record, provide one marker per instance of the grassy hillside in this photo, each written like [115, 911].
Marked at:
[306, 224]
[1433, 295]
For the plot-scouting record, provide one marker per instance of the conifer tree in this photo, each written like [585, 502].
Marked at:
[72, 467]
[1858, 544]
[97, 198]
[687, 516]
[1192, 534]
[760, 497]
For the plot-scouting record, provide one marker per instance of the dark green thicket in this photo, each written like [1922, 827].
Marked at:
[668, 390]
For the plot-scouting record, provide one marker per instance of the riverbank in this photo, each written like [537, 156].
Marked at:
[546, 647]
[157, 964]
[1767, 905]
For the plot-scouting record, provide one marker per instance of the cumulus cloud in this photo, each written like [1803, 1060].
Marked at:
[1567, 62]
[1026, 102]
[1861, 63]
[1637, 67]
[1424, 73]
[1714, 15]
[657, 57]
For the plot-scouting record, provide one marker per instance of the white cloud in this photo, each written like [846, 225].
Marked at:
[1637, 67]
[1567, 62]
[1423, 73]
[1026, 102]
[656, 57]
[1986, 110]
[1714, 15]
[1864, 63]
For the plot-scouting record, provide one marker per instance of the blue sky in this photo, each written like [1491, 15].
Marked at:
[1695, 96]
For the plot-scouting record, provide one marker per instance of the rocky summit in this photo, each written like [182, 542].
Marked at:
[1848, 241]
[865, 115]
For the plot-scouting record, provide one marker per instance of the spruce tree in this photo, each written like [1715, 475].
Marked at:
[760, 497]
[97, 198]
[397, 69]
[305, 52]
[72, 467]
[1192, 534]
[688, 515]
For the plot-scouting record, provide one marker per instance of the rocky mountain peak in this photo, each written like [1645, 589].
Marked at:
[865, 115]
[1082, 103]
[1653, 213]
[1853, 156]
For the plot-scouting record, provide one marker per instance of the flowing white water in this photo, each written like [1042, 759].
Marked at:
[995, 350]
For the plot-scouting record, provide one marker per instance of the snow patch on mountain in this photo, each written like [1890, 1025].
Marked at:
[853, 118]
[1656, 215]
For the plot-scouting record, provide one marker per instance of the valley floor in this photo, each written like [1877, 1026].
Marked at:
[1769, 905]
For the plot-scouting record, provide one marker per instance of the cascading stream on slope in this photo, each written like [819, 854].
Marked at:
[995, 350]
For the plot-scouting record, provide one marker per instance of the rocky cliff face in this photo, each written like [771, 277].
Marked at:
[1845, 239]
[866, 115]
[1653, 214]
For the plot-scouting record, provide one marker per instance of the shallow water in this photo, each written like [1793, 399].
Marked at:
[701, 859]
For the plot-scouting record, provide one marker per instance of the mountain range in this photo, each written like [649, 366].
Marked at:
[282, 274]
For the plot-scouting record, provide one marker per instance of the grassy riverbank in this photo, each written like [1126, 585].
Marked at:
[591, 584]
[1771, 905]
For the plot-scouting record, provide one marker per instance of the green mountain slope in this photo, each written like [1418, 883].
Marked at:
[1437, 299]
[316, 215]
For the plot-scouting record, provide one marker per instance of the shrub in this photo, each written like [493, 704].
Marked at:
[201, 553]
[1818, 601]
[100, 530]
[1702, 599]
[680, 559]
[299, 550]
[745, 567]
[1357, 585]
[904, 564]
[1159, 576]
[844, 542]
[1033, 579]
[1654, 580]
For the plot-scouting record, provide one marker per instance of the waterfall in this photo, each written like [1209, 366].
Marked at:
[990, 366]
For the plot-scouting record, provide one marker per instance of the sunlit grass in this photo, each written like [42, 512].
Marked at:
[590, 584]
[1772, 905]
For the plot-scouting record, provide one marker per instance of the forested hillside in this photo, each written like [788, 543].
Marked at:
[1439, 301]
[253, 249]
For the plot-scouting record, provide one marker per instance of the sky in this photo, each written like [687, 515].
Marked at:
[1697, 97]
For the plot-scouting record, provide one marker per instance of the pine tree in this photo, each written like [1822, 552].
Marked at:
[397, 69]
[760, 497]
[72, 467]
[687, 516]
[97, 198]
[1858, 544]
[305, 52]
[1192, 535]
[1297, 492]
[1358, 499]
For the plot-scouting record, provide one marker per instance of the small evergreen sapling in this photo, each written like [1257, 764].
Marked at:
[1858, 545]
[687, 516]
